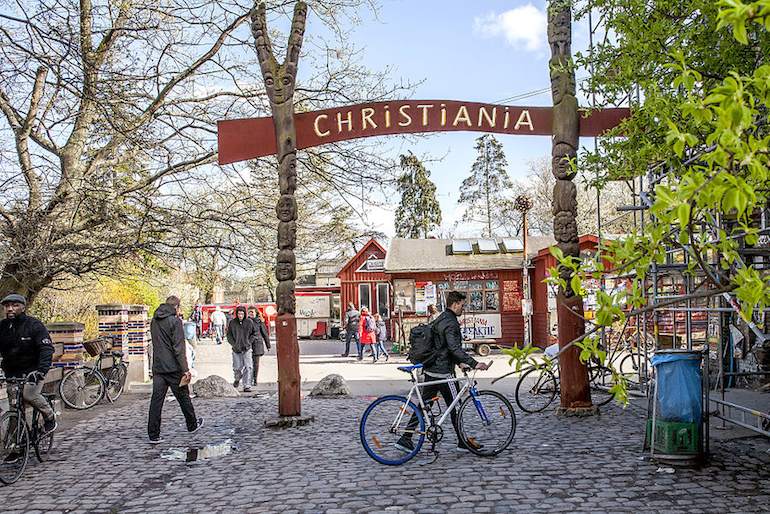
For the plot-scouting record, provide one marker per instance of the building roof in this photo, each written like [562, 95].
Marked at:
[406, 255]
[372, 243]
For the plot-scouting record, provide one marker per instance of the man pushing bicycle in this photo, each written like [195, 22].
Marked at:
[26, 350]
[447, 353]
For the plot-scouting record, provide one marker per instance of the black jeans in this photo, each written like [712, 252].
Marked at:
[255, 362]
[160, 385]
[449, 392]
[352, 333]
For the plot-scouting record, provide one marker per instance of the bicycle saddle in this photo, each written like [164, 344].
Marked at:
[408, 369]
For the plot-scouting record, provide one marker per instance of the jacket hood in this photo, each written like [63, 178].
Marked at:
[164, 311]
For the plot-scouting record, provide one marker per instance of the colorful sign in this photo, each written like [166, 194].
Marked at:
[481, 326]
[243, 139]
[511, 296]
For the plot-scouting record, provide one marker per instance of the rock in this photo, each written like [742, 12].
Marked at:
[331, 386]
[214, 387]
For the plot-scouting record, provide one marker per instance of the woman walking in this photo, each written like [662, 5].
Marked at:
[381, 333]
[366, 334]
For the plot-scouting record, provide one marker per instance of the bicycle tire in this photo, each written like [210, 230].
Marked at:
[500, 423]
[545, 388]
[600, 381]
[116, 382]
[631, 369]
[43, 445]
[10, 445]
[377, 425]
[81, 388]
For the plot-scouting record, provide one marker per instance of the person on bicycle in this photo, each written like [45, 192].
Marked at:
[448, 352]
[26, 348]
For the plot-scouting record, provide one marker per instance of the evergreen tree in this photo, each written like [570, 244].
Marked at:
[419, 211]
[484, 192]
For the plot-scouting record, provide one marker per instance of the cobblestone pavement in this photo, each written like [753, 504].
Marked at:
[104, 464]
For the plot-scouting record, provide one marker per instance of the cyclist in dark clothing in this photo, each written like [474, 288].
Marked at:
[26, 348]
[448, 353]
[169, 368]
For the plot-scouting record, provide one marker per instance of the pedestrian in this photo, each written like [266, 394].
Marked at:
[218, 321]
[26, 350]
[366, 334]
[170, 368]
[352, 320]
[196, 316]
[241, 333]
[432, 313]
[381, 334]
[261, 339]
[448, 353]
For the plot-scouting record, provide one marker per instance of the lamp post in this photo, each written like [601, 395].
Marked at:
[523, 204]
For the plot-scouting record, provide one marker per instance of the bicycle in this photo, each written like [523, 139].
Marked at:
[83, 387]
[486, 420]
[546, 385]
[16, 436]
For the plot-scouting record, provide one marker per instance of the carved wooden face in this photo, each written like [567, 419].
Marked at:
[564, 227]
[286, 208]
[287, 183]
[562, 82]
[285, 297]
[287, 235]
[279, 86]
[560, 31]
[284, 268]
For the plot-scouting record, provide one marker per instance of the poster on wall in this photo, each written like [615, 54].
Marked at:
[430, 294]
[421, 302]
[481, 326]
[511, 296]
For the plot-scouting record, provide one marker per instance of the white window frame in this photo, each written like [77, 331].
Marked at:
[387, 299]
[361, 304]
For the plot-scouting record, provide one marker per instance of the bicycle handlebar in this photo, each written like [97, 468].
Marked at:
[17, 380]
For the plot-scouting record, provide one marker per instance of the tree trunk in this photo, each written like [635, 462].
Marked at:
[575, 393]
[280, 80]
[14, 279]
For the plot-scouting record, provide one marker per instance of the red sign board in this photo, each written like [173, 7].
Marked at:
[244, 139]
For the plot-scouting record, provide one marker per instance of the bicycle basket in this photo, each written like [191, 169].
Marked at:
[96, 347]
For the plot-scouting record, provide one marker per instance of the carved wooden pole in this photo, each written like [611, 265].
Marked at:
[575, 392]
[280, 80]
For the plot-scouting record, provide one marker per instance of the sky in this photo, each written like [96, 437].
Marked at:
[484, 51]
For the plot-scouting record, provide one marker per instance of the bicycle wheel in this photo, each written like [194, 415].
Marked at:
[487, 423]
[43, 445]
[631, 369]
[116, 382]
[600, 383]
[82, 388]
[536, 390]
[384, 423]
[14, 450]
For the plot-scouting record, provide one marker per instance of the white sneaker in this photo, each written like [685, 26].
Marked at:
[155, 441]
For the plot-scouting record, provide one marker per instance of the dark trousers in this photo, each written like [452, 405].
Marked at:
[352, 333]
[160, 385]
[255, 361]
[448, 391]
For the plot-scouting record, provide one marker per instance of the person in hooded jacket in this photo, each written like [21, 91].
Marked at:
[366, 334]
[261, 340]
[241, 332]
[169, 368]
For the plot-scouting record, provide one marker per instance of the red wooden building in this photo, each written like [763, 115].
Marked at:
[489, 271]
[363, 281]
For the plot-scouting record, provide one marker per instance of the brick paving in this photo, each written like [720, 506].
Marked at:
[104, 464]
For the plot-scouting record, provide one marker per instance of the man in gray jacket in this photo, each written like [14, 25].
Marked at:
[169, 368]
[352, 320]
[241, 332]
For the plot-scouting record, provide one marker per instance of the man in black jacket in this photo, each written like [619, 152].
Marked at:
[448, 352]
[169, 368]
[26, 348]
[261, 339]
[352, 321]
[241, 333]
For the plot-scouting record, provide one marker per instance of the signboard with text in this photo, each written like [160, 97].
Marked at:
[481, 326]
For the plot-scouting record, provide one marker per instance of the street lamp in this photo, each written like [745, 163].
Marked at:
[523, 204]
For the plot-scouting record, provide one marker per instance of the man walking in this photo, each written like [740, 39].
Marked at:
[169, 368]
[218, 321]
[241, 332]
[26, 348]
[352, 320]
[448, 352]
[261, 339]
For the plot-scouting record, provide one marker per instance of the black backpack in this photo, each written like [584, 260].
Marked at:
[422, 348]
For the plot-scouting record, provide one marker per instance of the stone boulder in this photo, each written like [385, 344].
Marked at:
[214, 387]
[331, 386]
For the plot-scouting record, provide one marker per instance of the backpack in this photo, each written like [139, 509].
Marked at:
[422, 348]
[369, 327]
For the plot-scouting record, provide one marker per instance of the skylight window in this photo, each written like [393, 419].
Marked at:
[512, 245]
[488, 246]
[461, 247]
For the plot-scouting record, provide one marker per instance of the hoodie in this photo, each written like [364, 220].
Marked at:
[241, 333]
[168, 344]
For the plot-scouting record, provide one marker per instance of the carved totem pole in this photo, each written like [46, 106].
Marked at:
[575, 393]
[280, 80]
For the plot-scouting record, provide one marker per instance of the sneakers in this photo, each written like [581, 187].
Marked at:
[463, 448]
[247, 389]
[200, 424]
[236, 383]
[157, 440]
[404, 444]
[49, 425]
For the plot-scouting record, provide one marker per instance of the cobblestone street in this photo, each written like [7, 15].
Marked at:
[104, 464]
